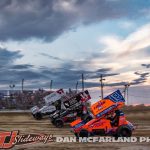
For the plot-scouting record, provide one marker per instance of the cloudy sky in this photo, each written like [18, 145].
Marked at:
[43, 40]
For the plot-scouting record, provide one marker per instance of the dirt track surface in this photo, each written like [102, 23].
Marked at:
[27, 124]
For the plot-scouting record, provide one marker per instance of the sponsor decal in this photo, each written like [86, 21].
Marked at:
[53, 97]
[106, 110]
[116, 97]
[100, 104]
[78, 125]
[97, 124]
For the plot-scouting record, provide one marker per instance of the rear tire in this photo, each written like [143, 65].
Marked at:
[124, 131]
[52, 121]
[58, 123]
[84, 133]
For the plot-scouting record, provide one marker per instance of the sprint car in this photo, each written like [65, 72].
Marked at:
[117, 126]
[73, 107]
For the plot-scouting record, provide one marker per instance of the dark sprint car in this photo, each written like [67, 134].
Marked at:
[73, 107]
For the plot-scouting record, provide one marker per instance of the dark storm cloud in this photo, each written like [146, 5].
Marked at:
[146, 65]
[141, 79]
[67, 75]
[8, 57]
[9, 71]
[71, 70]
[134, 82]
[30, 75]
[15, 76]
[62, 78]
[23, 66]
[142, 75]
[105, 72]
[50, 56]
[116, 84]
[47, 19]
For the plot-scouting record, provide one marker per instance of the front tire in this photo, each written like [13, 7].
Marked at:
[38, 116]
[76, 135]
[124, 131]
[84, 133]
[58, 123]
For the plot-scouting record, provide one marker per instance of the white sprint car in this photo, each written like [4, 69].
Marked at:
[38, 113]
[48, 108]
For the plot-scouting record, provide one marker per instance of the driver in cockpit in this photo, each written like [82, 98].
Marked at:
[114, 117]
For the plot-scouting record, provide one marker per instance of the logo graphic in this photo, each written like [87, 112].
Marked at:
[9, 139]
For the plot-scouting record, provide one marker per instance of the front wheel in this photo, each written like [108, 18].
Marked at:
[38, 116]
[76, 135]
[84, 133]
[58, 123]
[124, 131]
